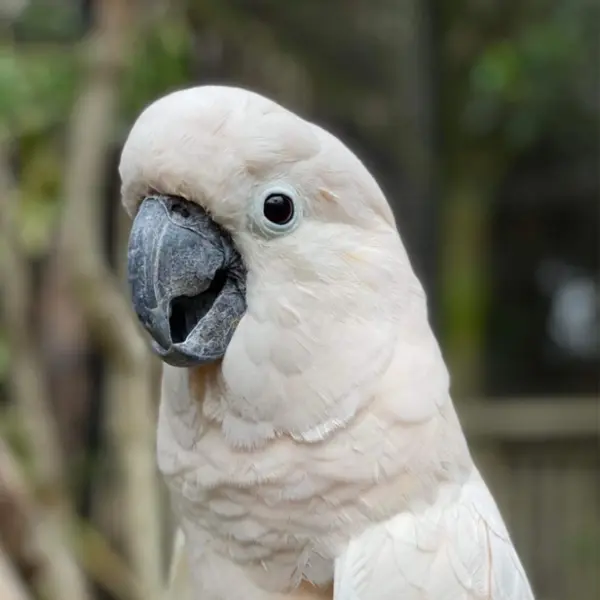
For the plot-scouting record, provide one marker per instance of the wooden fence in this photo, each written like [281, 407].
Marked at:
[541, 458]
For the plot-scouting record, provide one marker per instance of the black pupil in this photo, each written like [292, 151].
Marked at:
[279, 209]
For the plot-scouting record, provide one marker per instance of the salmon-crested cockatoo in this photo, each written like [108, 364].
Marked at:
[306, 432]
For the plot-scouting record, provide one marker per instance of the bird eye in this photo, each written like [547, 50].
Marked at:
[278, 208]
[276, 211]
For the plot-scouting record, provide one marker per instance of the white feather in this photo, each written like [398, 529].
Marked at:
[455, 549]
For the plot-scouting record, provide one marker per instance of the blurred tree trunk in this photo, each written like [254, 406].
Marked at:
[416, 130]
[472, 165]
[17, 527]
[130, 412]
[470, 170]
[32, 552]
[463, 267]
[62, 578]
[11, 587]
[66, 353]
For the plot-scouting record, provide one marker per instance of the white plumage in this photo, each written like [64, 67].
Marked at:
[325, 445]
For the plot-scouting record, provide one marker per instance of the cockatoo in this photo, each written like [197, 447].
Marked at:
[306, 431]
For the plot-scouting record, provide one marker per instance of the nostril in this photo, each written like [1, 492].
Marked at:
[180, 209]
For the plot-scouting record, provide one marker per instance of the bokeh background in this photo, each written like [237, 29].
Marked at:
[480, 120]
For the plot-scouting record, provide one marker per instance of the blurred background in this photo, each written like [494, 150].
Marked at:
[479, 118]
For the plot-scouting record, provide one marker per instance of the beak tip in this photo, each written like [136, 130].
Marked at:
[159, 328]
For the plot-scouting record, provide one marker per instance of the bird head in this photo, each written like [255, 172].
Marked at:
[258, 237]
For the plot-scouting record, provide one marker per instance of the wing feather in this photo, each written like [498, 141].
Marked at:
[457, 549]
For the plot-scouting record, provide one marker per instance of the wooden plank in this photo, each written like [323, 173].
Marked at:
[531, 419]
[580, 557]
[551, 500]
[552, 509]
[548, 524]
[522, 524]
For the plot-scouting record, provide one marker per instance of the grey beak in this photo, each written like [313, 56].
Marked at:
[187, 280]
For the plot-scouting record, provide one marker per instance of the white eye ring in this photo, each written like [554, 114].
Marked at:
[276, 211]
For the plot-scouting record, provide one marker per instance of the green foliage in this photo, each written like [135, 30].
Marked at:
[161, 63]
[37, 88]
[12, 432]
[521, 85]
[4, 356]
[40, 194]
[49, 21]
[584, 549]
